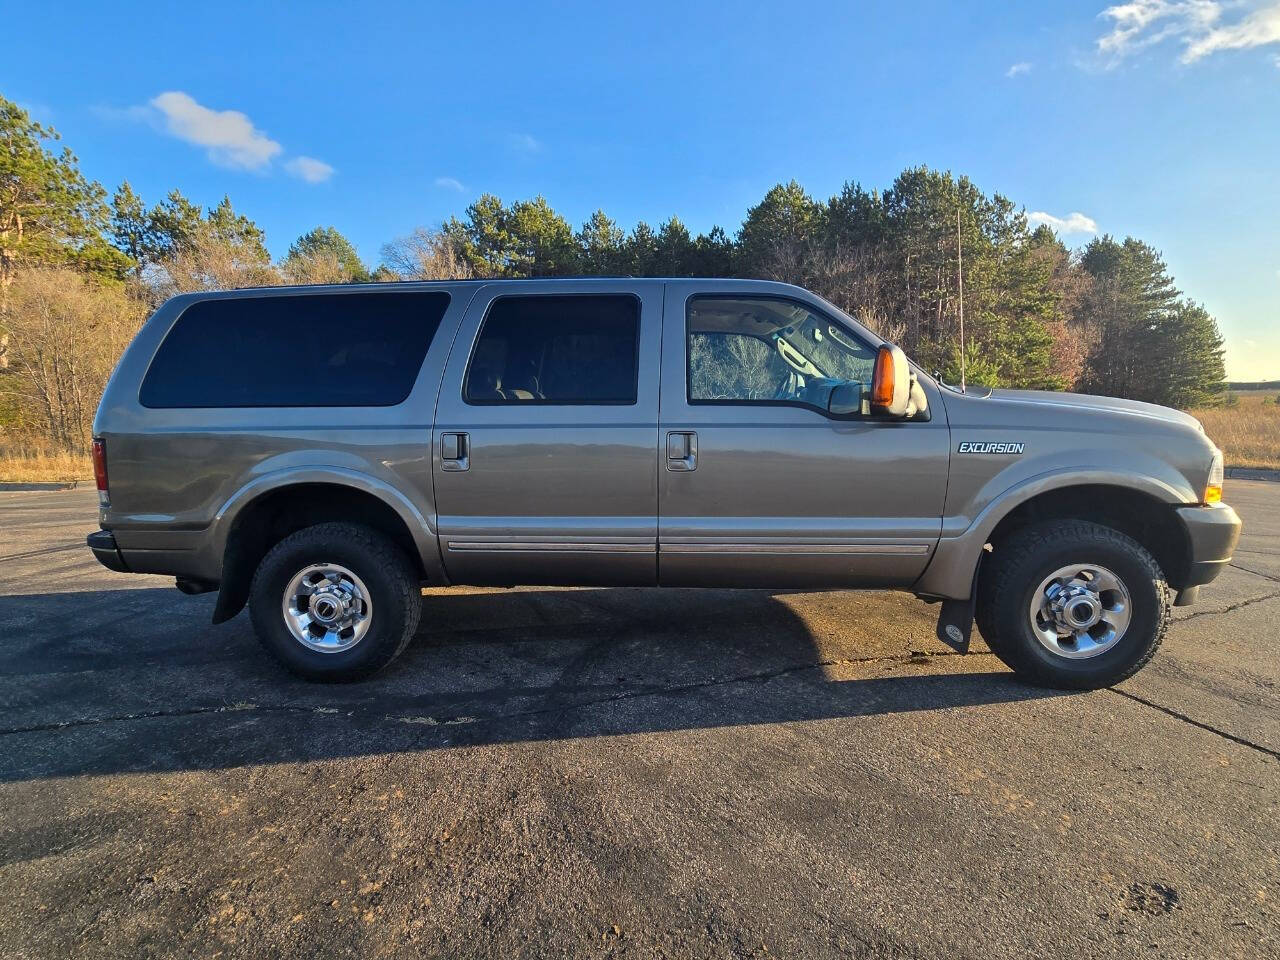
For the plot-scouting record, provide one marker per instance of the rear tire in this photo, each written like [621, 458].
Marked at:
[335, 602]
[1111, 578]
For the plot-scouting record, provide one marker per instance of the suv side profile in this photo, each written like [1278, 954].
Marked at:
[321, 453]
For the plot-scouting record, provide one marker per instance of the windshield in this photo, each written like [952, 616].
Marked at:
[830, 349]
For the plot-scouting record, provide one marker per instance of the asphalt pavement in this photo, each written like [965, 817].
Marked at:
[632, 773]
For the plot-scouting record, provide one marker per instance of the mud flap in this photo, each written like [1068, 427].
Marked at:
[955, 623]
[955, 619]
[233, 594]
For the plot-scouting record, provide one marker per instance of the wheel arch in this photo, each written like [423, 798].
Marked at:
[1136, 514]
[264, 512]
[1139, 506]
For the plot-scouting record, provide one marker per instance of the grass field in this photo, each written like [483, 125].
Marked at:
[27, 465]
[1248, 431]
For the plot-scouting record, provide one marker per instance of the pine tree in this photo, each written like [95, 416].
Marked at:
[323, 255]
[174, 225]
[779, 233]
[543, 240]
[600, 246]
[713, 254]
[641, 251]
[49, 212]
[1130, 299]
[1188, 362]
[676, 251]
[131, 227]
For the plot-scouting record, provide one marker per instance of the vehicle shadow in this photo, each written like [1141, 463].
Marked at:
[138, 680]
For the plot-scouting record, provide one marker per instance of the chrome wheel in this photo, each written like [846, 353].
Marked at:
[1080, 611]
[327, 608]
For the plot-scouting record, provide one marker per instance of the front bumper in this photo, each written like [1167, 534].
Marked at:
[1212, 532]
[103, 545]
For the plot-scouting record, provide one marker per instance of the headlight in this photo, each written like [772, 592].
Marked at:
[1213, 489]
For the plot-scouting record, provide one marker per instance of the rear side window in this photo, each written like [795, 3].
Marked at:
[571, 349]
[314, 350]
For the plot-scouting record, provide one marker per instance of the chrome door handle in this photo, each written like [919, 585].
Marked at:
[682, 451]
[454, 451]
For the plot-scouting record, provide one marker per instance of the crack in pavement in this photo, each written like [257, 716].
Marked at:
[158, 714]
[1256, 573]
[1227, 609]
[1177, 715]
[658, 691]
[680, 689]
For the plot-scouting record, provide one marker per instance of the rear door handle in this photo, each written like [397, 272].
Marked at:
[682, 451]
[455, 449]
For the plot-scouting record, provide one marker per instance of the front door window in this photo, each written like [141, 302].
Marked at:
[763, 350]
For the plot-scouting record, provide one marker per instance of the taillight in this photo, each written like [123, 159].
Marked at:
[100, 470]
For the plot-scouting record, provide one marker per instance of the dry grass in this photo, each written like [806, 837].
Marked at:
[42, 466]
[1248, 432]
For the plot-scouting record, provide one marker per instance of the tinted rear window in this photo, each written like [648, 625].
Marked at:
[316, 350]
[569, 349]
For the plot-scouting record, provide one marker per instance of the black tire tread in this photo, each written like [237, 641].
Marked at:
[1002, 577]
[384, 554]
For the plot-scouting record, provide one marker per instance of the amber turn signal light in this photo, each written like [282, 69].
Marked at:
[1213, 488]
[882, 378]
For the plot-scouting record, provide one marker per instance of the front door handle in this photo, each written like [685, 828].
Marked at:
[682, 451]
[455, 449]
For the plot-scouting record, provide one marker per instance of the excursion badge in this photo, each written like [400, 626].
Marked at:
[988, 446]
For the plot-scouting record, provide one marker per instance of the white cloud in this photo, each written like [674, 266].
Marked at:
[449, 183]
[231, 138]
[1197, 24]
[1072, 223]
[309, 169]
[526, 142]
[1258, 29]
[1141, 23]
[1018, 69]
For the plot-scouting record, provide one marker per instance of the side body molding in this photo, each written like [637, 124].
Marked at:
[950, 572]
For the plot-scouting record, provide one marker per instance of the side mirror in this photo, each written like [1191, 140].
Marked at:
[891, 383]
[845, 399]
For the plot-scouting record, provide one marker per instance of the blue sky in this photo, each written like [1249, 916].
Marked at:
[1157, 118]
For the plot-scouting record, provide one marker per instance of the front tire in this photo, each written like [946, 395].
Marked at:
[335, 602]
[1072, 604]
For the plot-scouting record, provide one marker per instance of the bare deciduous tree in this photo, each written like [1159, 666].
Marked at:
[211, 262]
[426, 255]
[65, 334]
[858, 281]
[733, 367]
[785, 258]
[320, 267]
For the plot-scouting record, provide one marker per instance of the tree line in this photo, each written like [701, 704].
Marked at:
[79, 269]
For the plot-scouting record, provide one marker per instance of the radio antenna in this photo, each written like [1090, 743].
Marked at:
[960, 280]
